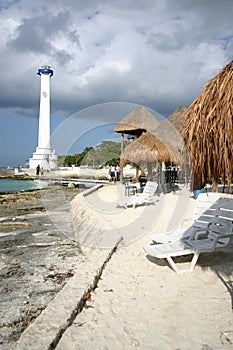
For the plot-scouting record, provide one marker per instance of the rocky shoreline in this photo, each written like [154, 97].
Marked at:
[38, 254]
[10, 174]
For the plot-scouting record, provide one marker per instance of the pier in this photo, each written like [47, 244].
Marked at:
[64, 181]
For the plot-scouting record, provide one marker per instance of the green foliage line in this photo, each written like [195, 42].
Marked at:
[108, 152]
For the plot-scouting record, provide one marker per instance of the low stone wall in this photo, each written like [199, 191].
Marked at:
[91, 228]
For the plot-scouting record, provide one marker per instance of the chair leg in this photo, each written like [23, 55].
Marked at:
[172, 264]
[192, 263]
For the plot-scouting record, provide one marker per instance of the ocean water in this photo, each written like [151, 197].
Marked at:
[21, 185]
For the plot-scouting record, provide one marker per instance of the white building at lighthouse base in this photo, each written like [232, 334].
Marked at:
[45, 158]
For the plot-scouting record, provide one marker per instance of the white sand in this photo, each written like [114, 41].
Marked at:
[143, 304]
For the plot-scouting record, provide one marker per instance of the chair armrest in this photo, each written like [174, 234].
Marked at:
[198, 232]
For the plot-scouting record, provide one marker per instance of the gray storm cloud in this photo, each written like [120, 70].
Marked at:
[154, 53]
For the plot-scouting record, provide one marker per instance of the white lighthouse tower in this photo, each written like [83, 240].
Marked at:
[44, 155]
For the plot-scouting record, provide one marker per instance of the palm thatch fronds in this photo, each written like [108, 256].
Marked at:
[158, 148]
[174, 116]
[207, 130]
[163, 143]
[171, 138]
[147, 148]
[169, 135]
[137, 122]
[137, 154]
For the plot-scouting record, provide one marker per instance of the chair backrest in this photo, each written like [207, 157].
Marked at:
[150, 188]
[222, 224]
[206, 204]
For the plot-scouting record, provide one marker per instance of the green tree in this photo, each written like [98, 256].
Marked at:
[69, 160]
[78, 159]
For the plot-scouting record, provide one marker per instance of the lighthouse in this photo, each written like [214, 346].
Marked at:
[44, 156]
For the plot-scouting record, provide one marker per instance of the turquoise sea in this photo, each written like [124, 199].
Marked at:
[21, 185]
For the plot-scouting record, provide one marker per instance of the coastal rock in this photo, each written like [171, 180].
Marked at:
[38, 255]
[71, 185]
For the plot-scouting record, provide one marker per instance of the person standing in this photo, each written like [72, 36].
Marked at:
[118, 172]
[112, 172]
[38, 170]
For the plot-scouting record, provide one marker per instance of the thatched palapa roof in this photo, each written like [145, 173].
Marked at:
[174, 116]
[207, 130]
[137, 122]
[146, 149]
[162, 143]
[169, 135]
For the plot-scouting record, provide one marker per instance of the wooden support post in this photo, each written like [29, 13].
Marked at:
[121, 167]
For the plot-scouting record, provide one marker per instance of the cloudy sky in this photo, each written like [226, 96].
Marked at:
[155, 53]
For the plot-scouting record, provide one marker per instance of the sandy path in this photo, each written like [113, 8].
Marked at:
[143, 304]
[139, 304]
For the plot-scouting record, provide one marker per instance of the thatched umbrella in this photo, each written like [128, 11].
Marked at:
[162, 143]
[207, 130]
[170, 136]
[137, 154]
[137, 122]
[147, 148]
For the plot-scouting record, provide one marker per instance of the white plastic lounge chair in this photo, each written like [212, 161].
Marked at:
[146, 197]
[219, 236]
[201, 219]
